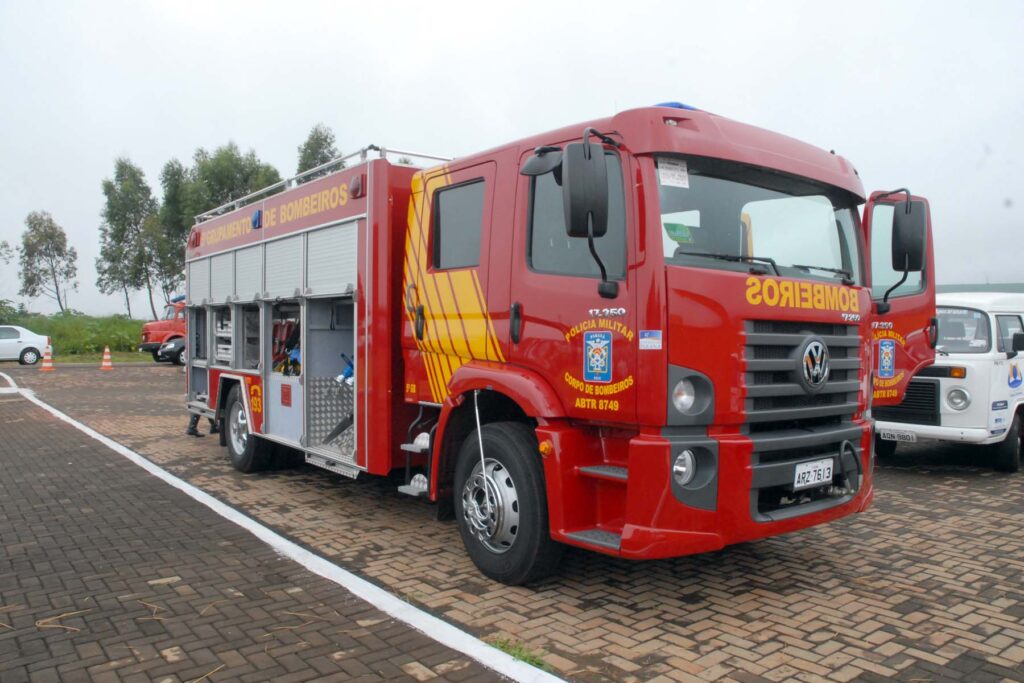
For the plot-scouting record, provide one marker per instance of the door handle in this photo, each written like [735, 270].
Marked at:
[515, 322]
[933, 332]
[421, 322]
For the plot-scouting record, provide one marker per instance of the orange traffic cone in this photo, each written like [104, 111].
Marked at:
[106, 364]
[47, 365]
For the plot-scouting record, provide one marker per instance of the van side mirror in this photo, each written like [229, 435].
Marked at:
[908, 235]
[585, 189]
[1018, 342]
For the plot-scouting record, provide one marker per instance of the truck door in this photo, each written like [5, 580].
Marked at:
[904, 337]
[559, 326]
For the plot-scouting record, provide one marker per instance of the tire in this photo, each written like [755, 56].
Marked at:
[514, 546]
[181, 357]
[156, 356]
[29, 357]
[248, 452]
[884, 450]
[1008, 450]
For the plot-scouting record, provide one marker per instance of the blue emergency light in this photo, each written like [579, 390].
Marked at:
[676, 105]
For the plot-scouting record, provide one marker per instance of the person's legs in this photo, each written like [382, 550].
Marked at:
[213, 426]
[193, 423]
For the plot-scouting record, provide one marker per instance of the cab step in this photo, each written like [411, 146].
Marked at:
[606, 472]
[418, 487]
[597, 537]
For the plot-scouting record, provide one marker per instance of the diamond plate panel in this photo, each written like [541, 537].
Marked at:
[329, 404]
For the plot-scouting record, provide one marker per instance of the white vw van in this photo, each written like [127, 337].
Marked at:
[974, 393]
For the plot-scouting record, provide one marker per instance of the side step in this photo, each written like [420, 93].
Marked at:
[417, 487]
[597, 537]
[607, 472]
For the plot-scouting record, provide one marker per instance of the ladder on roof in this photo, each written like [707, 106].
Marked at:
[332, 166]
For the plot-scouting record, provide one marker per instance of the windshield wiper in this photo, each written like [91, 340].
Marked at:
[847, 275]
[732, 257]
[941, 351]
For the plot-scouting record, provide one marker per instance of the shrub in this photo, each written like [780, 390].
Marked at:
[75, 333]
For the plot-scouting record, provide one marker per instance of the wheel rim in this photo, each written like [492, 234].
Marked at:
[31, 357]
[490, 506]
[181, 357]
[238, 428]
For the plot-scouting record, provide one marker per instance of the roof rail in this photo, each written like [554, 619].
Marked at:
[289, 183]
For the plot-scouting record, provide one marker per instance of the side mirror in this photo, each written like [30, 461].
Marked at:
[908, 234]
[1018, 342]
[544, 160]
[585, 189]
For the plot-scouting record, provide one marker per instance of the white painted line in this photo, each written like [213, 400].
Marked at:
[424, 622]
[14, 385]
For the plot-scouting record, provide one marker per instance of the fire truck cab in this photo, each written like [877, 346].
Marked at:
[648, 335]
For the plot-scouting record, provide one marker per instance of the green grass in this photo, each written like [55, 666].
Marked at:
[81, 334]
[519, 651]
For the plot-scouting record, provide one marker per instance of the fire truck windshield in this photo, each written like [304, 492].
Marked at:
[731, 216]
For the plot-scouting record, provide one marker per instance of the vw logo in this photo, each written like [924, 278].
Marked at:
[814, 365]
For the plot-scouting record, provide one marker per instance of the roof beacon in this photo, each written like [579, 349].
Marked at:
[676, 105]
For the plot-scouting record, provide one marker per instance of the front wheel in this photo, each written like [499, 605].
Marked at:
[247, 453]
[156, 356]
[501, 505]
[1008, 450]
[181, 357]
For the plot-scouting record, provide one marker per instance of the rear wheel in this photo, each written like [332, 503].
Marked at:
[501, 505]
[884, 450]
[29, 357]
[248, 452]
[1008, 451]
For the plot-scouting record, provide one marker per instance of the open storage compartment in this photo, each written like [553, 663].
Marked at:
[330, 378]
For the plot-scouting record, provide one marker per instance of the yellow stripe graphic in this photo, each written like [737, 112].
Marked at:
[458, 325]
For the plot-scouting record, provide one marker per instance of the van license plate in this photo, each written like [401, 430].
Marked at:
[815, 473]
[897, 435]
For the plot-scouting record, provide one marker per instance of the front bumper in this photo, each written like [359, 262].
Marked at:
[656, 520]
[960, 434]
[149, 347]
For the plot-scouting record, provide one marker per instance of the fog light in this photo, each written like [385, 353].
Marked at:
[684, 468]
[683, 395]
[958, 399]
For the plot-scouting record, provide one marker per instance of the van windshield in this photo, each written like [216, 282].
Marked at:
[727, 215]
[963, 330]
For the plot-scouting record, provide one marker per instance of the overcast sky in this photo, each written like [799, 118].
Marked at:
[927, 95]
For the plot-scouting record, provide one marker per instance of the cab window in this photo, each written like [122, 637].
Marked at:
[550, 250]
[458, 217]
[8, 333]
[1009, 325]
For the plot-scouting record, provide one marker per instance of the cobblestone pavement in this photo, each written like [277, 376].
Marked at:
[926, 586]
[109, 574]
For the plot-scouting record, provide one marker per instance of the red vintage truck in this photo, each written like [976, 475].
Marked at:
[157, 333]
[647, 335]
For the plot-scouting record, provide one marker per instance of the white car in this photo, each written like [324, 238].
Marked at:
[24, 346]
[974, 393]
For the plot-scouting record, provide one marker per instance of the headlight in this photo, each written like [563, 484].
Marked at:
[958, 399]
[685, 467]
[684, 395]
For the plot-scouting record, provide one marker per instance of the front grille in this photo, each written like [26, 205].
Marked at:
[920, 404]
[789, 426]
[773, 392]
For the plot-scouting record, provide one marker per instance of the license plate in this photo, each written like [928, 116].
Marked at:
[815, 473]
[897, 435]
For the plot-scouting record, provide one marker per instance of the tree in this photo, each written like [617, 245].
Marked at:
[318, 149]
[48, 264]
[112, 276]
[129, 204]
[224, 176]
[6, 253]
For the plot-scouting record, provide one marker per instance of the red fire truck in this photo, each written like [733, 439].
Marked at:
[156, 333]
[648, 335]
